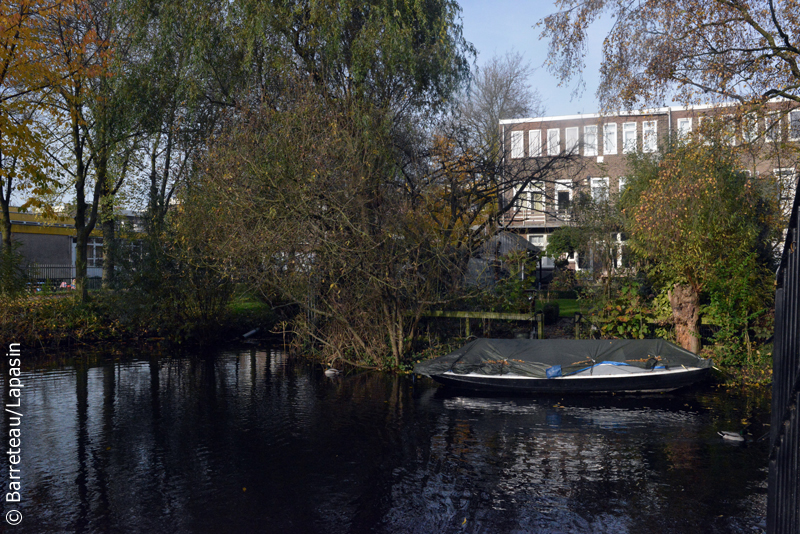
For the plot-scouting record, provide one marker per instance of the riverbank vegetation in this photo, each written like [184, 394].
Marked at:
[338, 168]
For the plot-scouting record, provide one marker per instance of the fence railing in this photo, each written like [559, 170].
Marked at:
[783, 499]
[59, 276]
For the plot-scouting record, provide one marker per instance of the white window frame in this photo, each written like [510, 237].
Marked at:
[610, 139]
[703, 137]
[542, 244]
[536, 198]
[563, 185]
[786, 179]
[749, 128]
[628, 142]
[649, 136]
[553, 141]
[794, 125]
[590, 140]
[571, 139]
[729, 128]
[527, 200]
[547, 262]
[94, 252]
[598, 188]
[535, 143]
[621, 183]
[684, 127]
[517, 145]
[620, 246]
[772, 127]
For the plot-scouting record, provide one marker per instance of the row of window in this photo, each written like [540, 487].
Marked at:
[751, 130]
[751, 127]
[536, 148]
[533, 199]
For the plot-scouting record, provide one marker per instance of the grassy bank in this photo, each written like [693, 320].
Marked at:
[60, 321]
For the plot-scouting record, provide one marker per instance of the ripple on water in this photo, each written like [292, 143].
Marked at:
[253, 438]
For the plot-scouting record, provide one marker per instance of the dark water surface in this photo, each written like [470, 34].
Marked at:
[252, 441]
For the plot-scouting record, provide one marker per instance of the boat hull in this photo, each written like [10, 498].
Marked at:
[644, 382]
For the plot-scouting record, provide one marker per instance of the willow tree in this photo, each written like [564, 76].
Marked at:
[695, 215]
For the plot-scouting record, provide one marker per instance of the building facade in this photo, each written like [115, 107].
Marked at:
[48, 244]
[766, 139]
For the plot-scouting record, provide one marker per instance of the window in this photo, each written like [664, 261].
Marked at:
[553, 142]
[571, 135]
[701, 127]
[610, 139]
[590, 140]
[517, 147]
[538, 240]
[684, 128]
[535, 143]
[728, 127]
[531, 199]
[772, 127]
[94, 252]
[794, 125]
[787, 185]
[536, 197]
[599, 188]
[519, 203]
[622, 182]
[749, 128]
[563, 197]
[649, 136]
[628, 137]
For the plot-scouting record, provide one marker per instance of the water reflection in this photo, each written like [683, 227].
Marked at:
[251, 441]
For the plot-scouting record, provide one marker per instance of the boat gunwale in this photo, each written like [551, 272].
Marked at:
[644, 372]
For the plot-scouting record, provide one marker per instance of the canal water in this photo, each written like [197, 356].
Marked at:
[253, 441]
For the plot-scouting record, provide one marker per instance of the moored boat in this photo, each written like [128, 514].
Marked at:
[567, 366]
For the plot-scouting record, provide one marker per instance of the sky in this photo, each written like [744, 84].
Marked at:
[498, 26]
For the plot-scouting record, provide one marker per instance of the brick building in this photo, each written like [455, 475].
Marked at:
[766, 140]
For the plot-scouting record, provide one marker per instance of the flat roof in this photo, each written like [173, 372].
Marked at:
[643, 112]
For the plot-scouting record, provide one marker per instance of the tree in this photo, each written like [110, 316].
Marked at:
[399, 56]
[178, 95]
[744, 50]
[89, 47]
[499, 90]
[695, 216]
[24, 71]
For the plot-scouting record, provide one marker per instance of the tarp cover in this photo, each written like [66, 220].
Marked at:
[533, 357]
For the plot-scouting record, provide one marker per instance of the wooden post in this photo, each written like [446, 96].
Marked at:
[540, 323]
[577, 325]
[467, 326]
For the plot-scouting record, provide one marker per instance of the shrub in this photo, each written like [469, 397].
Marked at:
[551, 312]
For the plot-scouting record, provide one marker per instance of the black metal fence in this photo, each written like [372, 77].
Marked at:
[783, 501]
[57, 277]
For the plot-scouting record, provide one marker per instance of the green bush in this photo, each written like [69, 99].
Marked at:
[13, 278]
[625, 317]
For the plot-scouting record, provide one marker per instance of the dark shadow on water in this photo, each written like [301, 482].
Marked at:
[250, 440]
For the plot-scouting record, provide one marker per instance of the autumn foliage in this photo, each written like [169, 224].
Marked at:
[693, 215]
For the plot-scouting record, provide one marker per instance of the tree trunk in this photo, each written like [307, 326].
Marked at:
[81, 263]
[685, 303]
[108, 250]
[7, 246]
